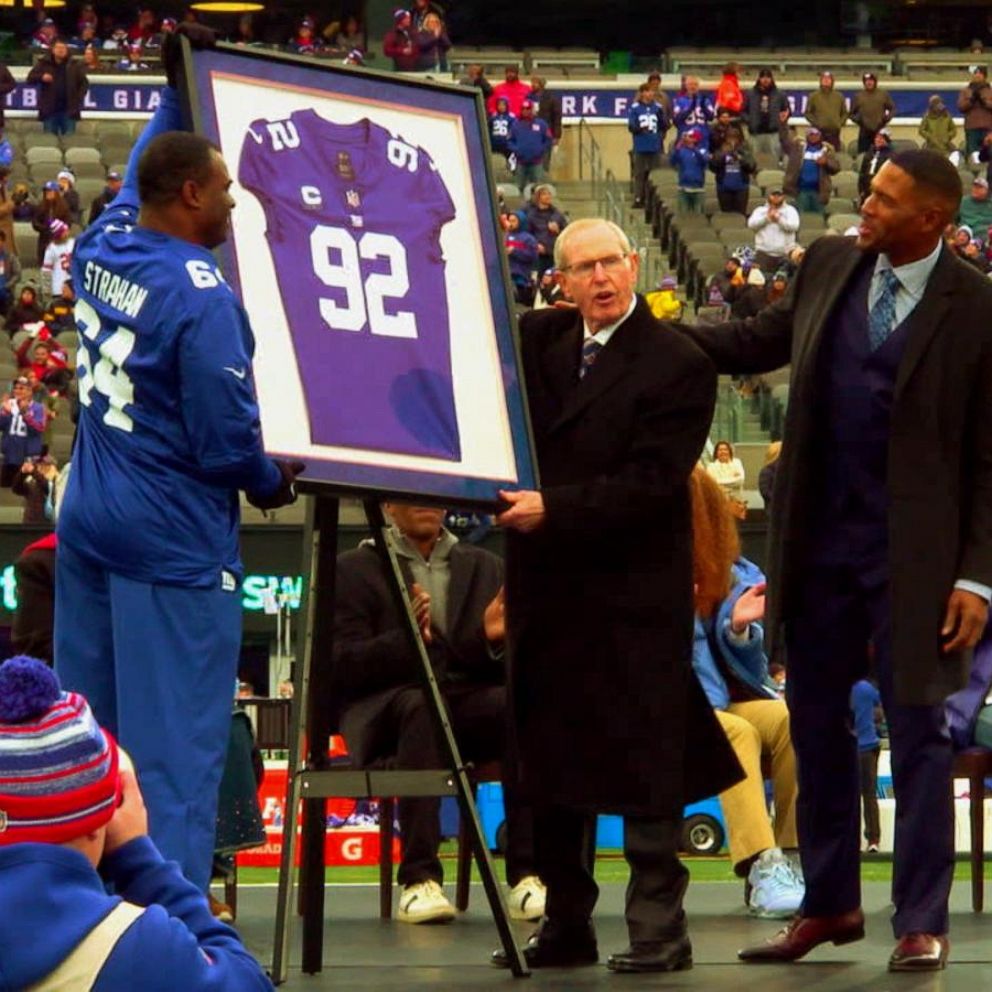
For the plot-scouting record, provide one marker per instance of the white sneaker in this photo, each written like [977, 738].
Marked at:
[526, 899]
[777, 887]
[424, 902]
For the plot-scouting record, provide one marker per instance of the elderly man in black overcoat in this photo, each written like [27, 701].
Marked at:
[881, 540]
[607, 713]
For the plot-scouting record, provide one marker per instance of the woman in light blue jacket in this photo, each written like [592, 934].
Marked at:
[731, 665]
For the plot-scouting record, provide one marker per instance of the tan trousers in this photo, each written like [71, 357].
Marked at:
[757, 728]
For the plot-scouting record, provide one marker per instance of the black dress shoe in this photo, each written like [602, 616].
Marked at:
[663, 955]
[553, 946]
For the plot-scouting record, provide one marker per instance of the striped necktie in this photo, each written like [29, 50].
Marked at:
[882, 318]
[590, 352]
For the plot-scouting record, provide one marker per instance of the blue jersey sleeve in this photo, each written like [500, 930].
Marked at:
[217, 396]
[168, 117]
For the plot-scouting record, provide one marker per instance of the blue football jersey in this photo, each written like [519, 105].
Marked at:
[353, 221]
[168, 427]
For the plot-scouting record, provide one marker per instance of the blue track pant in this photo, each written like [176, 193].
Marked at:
[158, 666]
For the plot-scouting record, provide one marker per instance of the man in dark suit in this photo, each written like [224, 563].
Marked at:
[381, 708]
[882, 535]
[607, 713]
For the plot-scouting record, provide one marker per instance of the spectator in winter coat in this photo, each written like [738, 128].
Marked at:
[873, 160]
[545, 221]
[77, 830]
[690, 161]
[10, 272]
[871, 110]
[693, 109]
[663, 302]
[24, 208]
[548, 109]
[937, 127]
[807, 174]
[62, 87]
[521, 253]
[529, 140]
[751, 299]
[500, 123]
[513, 88]
[733, 164]
[975, 102]
[27, 310]
[826, 110]
[100, 203]
[475, 75]
[433, 42]
[766, 112]
[975, 211]
[647, 122]
[67, 185]
[728, 93]
[399, 43]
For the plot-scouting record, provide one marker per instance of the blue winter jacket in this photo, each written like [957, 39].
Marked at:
[55, 898]
[691, 165]
[746, 660]
[529, 140]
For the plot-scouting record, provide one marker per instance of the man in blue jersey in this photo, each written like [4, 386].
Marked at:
[148, 612]
[646, 121]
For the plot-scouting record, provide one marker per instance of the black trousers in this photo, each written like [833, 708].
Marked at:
[733, 201]
[563, 842]
[478, 718]
[641, 165]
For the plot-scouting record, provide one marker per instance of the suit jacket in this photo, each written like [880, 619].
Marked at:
[607, 713]
[939, 459]
[372, 659]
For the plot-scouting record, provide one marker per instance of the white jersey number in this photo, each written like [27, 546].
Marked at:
[364, 300]
[104, 370]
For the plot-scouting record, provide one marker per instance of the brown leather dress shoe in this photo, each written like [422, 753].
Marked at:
[920, 952]
[804, 933]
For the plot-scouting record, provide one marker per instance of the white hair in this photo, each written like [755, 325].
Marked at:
[584, 224]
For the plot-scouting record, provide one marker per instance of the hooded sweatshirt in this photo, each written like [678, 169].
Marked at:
[176, 944]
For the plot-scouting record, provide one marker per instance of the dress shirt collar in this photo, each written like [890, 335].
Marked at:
[604, 334]
[913, 276]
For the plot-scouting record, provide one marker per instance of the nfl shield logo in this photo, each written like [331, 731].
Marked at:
[354, 200]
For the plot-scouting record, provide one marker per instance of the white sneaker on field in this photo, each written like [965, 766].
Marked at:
[424, 902]
[526, 899]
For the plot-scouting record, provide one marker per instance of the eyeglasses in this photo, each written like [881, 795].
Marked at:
[610, 264]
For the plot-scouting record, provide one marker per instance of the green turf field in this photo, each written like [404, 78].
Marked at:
[610, 867]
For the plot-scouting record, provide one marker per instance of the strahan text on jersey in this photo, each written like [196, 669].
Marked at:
[169, 427]
[353, 220]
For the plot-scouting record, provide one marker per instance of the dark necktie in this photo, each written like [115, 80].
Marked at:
[590, 352]
[882, 318]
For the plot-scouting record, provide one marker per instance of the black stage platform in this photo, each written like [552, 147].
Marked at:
[361, 952]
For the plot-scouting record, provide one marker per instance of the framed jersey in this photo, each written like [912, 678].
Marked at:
[366, 249]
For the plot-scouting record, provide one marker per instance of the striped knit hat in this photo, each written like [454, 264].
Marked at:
[59, 774]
